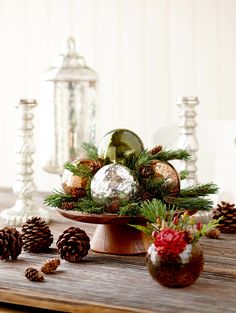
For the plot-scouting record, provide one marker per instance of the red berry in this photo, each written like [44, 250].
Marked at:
[176, 220]
[199, 226]
[154, 234]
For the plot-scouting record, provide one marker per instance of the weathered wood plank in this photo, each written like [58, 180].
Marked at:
[109, 283]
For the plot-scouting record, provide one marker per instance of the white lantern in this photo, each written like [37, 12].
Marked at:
[69, 98]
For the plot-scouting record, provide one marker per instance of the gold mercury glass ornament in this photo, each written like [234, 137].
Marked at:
[69, 99]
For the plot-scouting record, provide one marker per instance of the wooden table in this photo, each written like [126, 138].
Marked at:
[109, 283]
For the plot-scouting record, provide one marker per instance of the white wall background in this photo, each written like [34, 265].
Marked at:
[146, 52]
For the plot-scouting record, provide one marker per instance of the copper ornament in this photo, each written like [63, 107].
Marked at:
[76, 185]
[164, 170]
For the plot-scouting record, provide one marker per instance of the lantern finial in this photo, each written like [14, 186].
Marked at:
[71, 46]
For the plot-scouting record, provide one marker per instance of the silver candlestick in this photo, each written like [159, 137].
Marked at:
[24, 186]
[187, 139]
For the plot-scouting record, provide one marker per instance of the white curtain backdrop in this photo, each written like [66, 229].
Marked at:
[146, 52]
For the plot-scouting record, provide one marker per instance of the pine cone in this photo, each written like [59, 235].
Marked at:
[113, 206]
[213, 233]
[146, 196]
[96, 165]
[33, 274]
[228, 211]
[50, 266]
[36, 235]
[156, 149]
[67, 205]
[77, 192]
[73, 244]
[10, 243]
[146, 171]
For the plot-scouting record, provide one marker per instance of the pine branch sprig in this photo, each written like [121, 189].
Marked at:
[79, 169]
[91, 150]
[129, 209]
[168, 155]
[198, 190]
[151, 209]
[190, 203]
[183, 174]
[57, 198]
[87, 205]
[144, 158]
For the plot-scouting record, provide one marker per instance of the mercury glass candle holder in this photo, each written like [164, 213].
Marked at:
[24, 186]
[187, 139]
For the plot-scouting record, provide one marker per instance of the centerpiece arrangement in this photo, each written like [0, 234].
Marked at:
[111, 183]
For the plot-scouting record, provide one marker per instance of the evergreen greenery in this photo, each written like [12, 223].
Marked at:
[157, 190]
[91, 150]
[79, 170]
[198, 190]
[57, 198]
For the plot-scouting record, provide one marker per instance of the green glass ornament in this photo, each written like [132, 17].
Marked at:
[119, 145]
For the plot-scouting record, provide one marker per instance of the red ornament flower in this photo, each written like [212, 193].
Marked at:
[170, 242]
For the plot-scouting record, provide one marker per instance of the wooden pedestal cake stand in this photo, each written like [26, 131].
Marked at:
[113, 235]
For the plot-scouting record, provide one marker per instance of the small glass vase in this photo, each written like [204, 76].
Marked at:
[178, 271]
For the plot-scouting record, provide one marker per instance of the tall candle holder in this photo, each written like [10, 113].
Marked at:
[24, 186]
[188, 139]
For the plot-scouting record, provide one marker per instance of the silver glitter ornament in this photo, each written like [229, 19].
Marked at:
[113, 182]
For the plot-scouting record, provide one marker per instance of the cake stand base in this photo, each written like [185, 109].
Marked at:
[119, 239]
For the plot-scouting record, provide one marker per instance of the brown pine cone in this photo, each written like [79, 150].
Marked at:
[213, 233]
[50, 266]
[146, 196]
[146, 171]
[77, 192]
[228, 211]
[73, 244]
[113, 206]
[96, 165]
[156, 149]
[10, 243]
[36, 235]
[67, 205]
[33, 274]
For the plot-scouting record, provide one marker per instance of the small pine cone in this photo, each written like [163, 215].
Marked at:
[33, 274]
[67, 205]
[113, 207]
[36, 235]
[228, 211]
[10, 243]
[77, 192]
[213, 233]
[146, 171]
[156, 149]
[73, 244]
[50, 266]
[146, 196]
[96, 165]
[4, 248]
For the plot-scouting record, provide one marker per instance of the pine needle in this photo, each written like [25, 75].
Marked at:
[79, 169]
[151, 209]
[91, 150]
[87, 205]
[57, 198]
[190, 203]
[183, 174]
[167, 155]
[198, 190]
